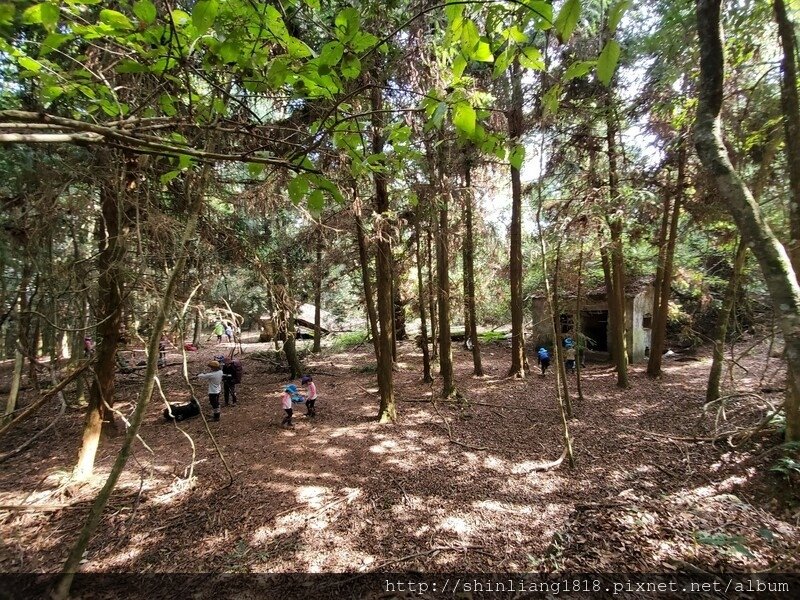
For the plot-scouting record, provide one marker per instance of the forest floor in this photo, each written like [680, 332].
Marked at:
[450, 487]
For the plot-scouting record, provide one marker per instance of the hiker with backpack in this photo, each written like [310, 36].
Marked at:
[231, 375]
[214, 379]
[544, 359]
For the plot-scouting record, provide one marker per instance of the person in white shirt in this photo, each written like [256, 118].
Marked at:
[214, 378]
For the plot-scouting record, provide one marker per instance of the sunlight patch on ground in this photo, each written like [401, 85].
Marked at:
[312, 495]
[456, 525]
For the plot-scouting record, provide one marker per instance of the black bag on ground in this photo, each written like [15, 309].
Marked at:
[182, 411]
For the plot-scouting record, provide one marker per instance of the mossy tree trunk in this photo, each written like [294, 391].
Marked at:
[771, 255]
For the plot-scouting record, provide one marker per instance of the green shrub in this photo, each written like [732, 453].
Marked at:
[349, 339]
[487, 337]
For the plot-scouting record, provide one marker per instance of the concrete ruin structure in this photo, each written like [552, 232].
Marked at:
[594, 320]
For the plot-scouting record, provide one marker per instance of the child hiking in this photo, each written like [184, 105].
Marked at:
[289, 395]
[219, 329]
[214, 378]
[311, 395]
[544, 359]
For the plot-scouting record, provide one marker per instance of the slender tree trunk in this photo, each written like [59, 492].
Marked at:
[432, 305]
[791, 124]
[721, 330]
[770, 254]
[387, 412]
[16, 379]
[662, 252]
[729, 299]
[558, 347]
[76, 554]
[318, 297]
[111, 283]
[443, 270]
[197, 329]
[366, 281]
[580, 339]
[469, 274]
[616, 295]
[426, 359]
[549, 295]
[515, 130]
[659, 328]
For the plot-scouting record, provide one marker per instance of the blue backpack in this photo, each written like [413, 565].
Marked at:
[543, 354]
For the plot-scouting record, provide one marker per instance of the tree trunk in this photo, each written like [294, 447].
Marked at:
[580, 340]
[721, 330]
[616, 295]
[197, 329]
[290, 350]
[318, 297]
[770, 254]
[469, 275]
[515, 130]
[426, 359]
[110, 285]
[791, 124]
[366, 281]
[659, 327]
[16, 379]
[432, 307]
[388, 411]
[729, 299]
[662, 252]
[443, 271]
[76, 554]
[558, 347]
[550, 305]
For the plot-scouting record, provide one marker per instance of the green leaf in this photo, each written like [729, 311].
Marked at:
[145, 11]
[459, 64]
[331, 53]
[44, 13]
[167, 105]
[502, 61]
[517, 156]
[531, 58]
[362, 41]
[316, 202]
[551, 99]
[127, 65]
[203, 15]
[298, 188]
[453, 11]
[52, 42]
[482, 52]
[542, 12]
[351, 66]
[29, 64]
[115, 20]
[579, 69]
[278, 72]
[567, 19]
[470, 36]
[607, 62]
[7, 12]
[616, 12]
[169, 176]
[347, 23]
[439, 113]
[255, 169]
[297, 48]
[515, 35]
[464, 118]
[313, 4]
[229, 51]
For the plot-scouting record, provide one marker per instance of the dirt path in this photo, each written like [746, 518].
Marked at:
[341, 493]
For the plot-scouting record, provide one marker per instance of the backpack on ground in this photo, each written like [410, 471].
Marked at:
[182, 411]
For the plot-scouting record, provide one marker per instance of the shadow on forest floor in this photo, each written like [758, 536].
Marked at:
[342, 493]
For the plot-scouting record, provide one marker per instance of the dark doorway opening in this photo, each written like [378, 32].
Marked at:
[595, 328]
